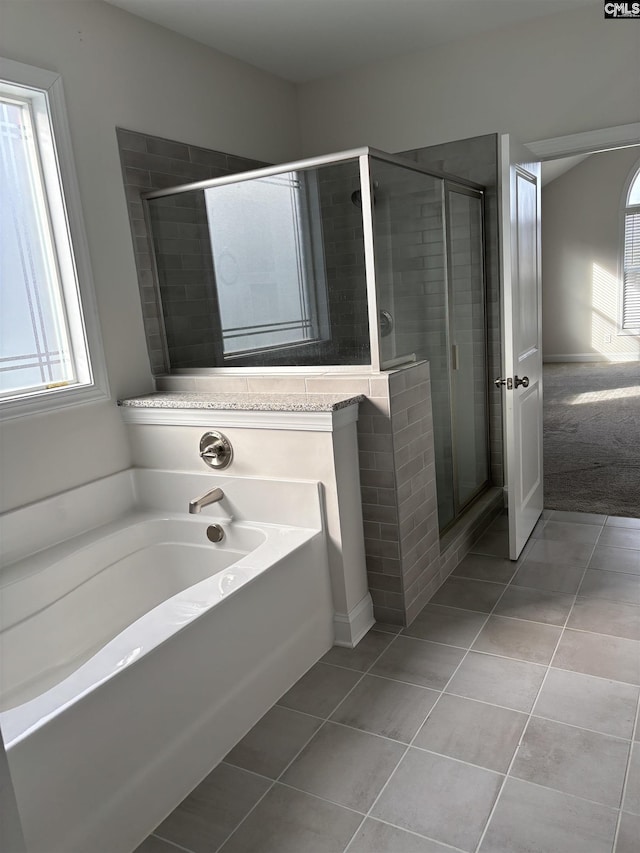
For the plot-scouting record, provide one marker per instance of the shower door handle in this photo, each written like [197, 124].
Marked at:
[508, 382]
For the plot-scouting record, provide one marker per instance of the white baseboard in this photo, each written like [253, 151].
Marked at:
[589, 356]
[351, 627]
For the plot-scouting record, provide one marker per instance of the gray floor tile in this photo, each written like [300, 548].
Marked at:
[448, 625]
[377, 837]
[575, 761]
[482, 568]
[515, 638]
[611, 559]
[472, 731]
[365, 653]
[529, 819]
[273, 742]
[494, 543]
[606, 617]
[620, 537]
[628, 834]
[320, 690]
[599, 654]
[620, 521]
[510, 683]
[288, 821]
[577, 517]
[561, 531]
[345, 766]
[614, 586]
[554, 577]
[536, 605]
[561, 553]
[592, 703]
[439, 797]
[386, 628]
[632, 794]
[386, 708]
[468, 594]
[212, 810]
[419, 662]
[155, 845]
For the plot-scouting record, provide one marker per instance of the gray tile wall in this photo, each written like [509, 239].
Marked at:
[149, 162]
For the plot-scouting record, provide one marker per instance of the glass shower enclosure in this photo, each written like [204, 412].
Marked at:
[354, 261]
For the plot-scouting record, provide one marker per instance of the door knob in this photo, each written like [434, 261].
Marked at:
[508, 382]
[518, 382]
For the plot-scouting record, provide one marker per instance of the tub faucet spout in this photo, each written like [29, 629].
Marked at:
[206, 499]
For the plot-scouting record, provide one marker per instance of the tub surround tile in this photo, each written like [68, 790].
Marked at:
[473, 732]
[345, 766]
[212, 810]
[436, 796]
[273, 742]
[575, 761]
[384, 707]
[592, 703]
[288, 821]
[320, 690]
[530, 819]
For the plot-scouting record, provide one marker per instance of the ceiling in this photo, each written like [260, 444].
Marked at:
[303, 40]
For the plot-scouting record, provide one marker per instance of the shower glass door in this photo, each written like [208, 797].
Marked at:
[467, 336]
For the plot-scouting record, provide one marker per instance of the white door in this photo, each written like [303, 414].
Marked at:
[519, 198]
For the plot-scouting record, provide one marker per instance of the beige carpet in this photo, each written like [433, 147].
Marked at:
[592, 438]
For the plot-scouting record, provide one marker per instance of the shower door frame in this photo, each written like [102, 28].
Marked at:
[465, 188]
[363, 155]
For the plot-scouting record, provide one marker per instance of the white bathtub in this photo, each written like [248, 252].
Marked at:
[136, 653]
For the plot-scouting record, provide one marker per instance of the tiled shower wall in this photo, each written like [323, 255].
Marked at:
[150, 163]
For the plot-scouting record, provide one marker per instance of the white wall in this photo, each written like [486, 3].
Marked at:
[120, 70]
[581, 227]
[557, 75]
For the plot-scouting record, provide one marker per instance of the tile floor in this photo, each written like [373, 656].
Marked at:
[503, 720]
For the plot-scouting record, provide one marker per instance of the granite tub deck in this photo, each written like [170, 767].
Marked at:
[245, 401]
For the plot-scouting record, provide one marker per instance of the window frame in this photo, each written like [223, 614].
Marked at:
[68, 229]
[625, 210]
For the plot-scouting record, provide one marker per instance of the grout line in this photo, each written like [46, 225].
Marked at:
[526, 727]
[172, 843]
[632, 750]
[410, 744]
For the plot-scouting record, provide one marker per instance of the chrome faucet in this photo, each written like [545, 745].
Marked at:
[208, 498]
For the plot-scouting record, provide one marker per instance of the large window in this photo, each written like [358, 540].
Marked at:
[45, 289]
[631, 259]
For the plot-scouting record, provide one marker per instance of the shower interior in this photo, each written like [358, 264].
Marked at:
[360, 260]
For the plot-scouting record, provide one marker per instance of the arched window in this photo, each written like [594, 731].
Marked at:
[631, 258]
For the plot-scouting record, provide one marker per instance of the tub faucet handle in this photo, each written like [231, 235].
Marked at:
[216, 450]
